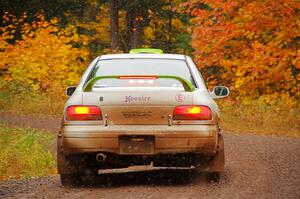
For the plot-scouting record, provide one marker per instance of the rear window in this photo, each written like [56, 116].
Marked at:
[136, 67]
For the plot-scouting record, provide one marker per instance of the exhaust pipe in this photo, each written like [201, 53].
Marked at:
[101, 157]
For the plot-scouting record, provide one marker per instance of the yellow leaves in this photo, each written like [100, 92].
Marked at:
[44, 56]
[149, 33]
[54, 21]
[99, 27]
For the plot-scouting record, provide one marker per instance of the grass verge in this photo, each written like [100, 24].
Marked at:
[259, 118]
[31, 103]
[24, 152]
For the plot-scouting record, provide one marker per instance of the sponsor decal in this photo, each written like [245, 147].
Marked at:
[179, 97]
[137, 114]
[142, 98]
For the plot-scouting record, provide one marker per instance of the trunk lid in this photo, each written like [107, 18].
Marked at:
[137, 105]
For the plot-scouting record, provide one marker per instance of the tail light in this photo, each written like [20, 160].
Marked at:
[192, 113]
[83, 113]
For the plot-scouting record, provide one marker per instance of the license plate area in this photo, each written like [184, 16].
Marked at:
[137, 144]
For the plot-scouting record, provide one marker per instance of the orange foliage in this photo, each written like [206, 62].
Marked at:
[253, 44]
[45, 58]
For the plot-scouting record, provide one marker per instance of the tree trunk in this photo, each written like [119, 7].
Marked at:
[140, 22]
[138, 30]
[136, 20]
[114, 24]
[130, 15]
[170, 27]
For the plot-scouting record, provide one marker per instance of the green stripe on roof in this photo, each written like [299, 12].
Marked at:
[146, 50]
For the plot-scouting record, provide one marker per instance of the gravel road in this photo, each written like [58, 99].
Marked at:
[256, 167]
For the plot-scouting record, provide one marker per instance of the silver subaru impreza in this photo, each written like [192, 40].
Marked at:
[140, 108]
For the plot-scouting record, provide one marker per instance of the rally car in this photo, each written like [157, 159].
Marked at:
[140, 108]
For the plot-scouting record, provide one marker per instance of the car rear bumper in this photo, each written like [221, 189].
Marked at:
[168, 139]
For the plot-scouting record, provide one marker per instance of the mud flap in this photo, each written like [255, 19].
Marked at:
[215, 163]
[64, 166]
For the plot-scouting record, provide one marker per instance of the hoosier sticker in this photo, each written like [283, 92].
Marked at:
[136, 99]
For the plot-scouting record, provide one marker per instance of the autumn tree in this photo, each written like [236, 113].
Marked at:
[114, 24]
[46, 58]
[53, 8]
[252, 46]
[137, 18]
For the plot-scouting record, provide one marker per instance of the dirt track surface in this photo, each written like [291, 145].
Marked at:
[45, 122]
[256, 167]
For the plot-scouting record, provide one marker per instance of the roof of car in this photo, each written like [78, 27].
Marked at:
[143, 55]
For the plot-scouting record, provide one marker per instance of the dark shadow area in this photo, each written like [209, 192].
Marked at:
[166, 177]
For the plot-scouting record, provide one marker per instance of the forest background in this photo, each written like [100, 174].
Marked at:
[250, 46]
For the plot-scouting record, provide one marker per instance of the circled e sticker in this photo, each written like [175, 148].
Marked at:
[180, 97]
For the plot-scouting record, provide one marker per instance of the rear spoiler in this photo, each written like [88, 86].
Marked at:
[188, 87]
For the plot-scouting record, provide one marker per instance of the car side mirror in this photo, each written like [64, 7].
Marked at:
[70, 90]
[219, 92]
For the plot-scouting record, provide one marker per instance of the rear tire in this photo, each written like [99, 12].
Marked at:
[70, 180]
[178, 160]
[89, 177]
[213, 176]
[205, 163]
